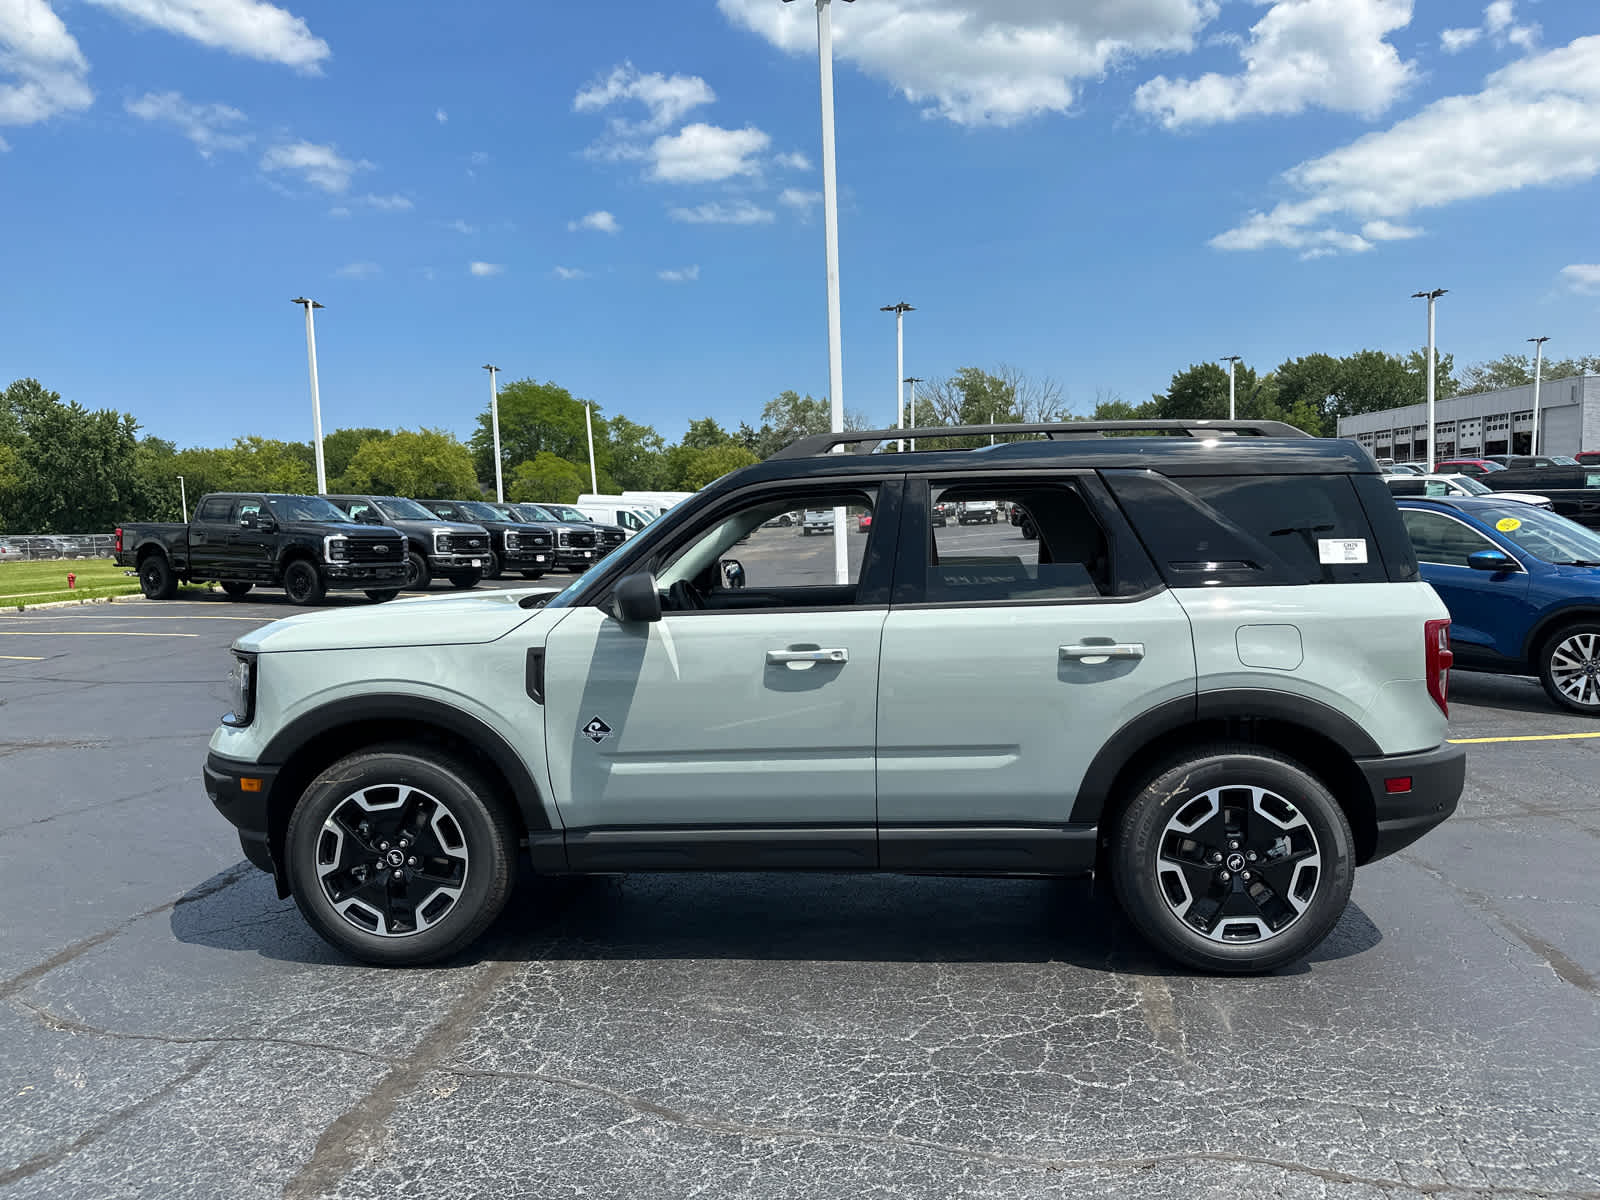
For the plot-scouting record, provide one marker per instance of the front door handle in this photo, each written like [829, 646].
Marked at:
[1093, 655]
[778, 658]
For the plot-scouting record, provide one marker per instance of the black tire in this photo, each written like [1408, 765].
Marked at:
[1293, 899]
[156, 578]
[237, 591]
[533, 574]
[303, 582]
[1570, 659]
[476, 845]
[379, 596]
[466, 579]
[418, 573]
[492, 568]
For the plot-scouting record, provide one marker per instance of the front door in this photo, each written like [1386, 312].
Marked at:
[1013, 654]
[1489, 610]
[254, 543]
[738, 730]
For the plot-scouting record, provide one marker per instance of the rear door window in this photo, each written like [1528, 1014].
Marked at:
[214, 511]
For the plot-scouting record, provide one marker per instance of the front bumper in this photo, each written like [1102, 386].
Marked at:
[364, 575]
[441, 564]
[528, 558]
[1437, 777]
[575, 556]
[226, 781]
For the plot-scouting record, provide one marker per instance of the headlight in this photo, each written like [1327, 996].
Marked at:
[511, 541]
[441, 540]
[563, 537]
[241, 690]
[336, 547]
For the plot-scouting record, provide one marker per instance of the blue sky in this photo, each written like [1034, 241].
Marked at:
[1099, 191]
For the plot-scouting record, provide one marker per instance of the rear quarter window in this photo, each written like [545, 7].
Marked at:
[1259, 530]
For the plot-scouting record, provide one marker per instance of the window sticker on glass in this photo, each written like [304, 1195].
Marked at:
[1508, 524]
[1342, 550]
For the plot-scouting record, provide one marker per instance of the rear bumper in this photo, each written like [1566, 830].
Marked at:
[1437, 777]
[245, 810]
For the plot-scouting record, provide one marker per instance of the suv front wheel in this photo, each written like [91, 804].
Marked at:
[1569, 668]
[400, 856]
[1234, 859]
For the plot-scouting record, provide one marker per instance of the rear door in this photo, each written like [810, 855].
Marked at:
[210, 551]
[1009, 661]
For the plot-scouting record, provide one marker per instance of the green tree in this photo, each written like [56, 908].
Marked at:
[537, 418]
[547, 477]
[340, 447]
[429, 463]
[1372, 381]
[638, 459]
[157, 496]
[70, 470]
[700, 467]
[1444, 378]
[1308, 390]
[1516, 370]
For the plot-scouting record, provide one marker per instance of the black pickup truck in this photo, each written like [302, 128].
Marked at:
[515, 545]
[434, 546]
[1574, 491]
[302, 544]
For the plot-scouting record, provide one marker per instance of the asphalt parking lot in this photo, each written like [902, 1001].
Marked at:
[172, 1029]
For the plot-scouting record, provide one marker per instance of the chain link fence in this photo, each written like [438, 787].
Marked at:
[23, 547]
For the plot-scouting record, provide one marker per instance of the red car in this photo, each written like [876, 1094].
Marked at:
[1467, 466]
[863, 522]
[1589, 458]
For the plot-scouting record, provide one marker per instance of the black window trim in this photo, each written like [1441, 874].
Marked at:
[1129, 559]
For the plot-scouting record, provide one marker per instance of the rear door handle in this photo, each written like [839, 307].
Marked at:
[778, 658]
[1092, 655]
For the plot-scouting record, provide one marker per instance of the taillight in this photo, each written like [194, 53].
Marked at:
[1440, 660]
[119, 539]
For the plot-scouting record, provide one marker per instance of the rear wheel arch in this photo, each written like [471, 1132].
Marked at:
[317, 740]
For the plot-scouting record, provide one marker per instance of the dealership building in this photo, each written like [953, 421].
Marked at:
[1487, 423]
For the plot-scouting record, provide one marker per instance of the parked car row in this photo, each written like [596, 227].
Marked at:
[380, 545]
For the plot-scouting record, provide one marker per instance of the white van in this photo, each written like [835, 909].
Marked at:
[612, 512]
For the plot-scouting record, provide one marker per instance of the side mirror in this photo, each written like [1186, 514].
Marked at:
[1492, 560]
[249, 521]
[732, 573]
[370, 518]
[635, 599]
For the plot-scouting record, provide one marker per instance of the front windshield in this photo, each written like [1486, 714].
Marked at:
[535, 512]
[306, 508]
[1543, 534]
[480, 511]
[503, 512]
[399, 509]
[568, 513]
[1468, 484]
[1563, 461]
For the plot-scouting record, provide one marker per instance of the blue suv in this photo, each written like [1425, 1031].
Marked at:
[1523, 589]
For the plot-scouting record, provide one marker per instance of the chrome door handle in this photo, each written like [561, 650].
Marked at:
[1094, 655]
[777, 658]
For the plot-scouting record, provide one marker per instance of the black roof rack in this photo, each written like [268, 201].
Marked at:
[825, 443]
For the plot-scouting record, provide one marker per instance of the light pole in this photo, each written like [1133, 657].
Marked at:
[588, 424]
[183, 499]
[899, 310]
[316, 399]
[1538, 370]
[830, 233]
[1432, 298]
[1230, 359]
[913, 381]
[494, 420]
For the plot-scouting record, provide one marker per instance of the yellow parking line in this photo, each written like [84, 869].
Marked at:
[85, 633]
[1532, 737]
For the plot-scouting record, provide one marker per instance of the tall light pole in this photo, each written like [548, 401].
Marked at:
[1230, 359]
[494, 420]
[899, 310]
[830, 229]
[183, 499]
[1432, 298]
[316, 399]
[913, 381]
[588, 424]
[1538, 370]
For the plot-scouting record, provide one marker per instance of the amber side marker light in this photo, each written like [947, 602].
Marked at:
[254, 785]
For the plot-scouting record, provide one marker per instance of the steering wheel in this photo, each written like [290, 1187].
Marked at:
[684, 596]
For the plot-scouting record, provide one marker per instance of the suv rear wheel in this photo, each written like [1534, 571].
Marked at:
[399, 856]
[1569, 668]
[1234, 859]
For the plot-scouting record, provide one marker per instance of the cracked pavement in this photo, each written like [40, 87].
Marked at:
[175, 1030]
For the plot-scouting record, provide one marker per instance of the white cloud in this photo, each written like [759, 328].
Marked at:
[800, 201]
[1499, 15]
[484, 269]
[1454, 41]
[1582, 277]
[1302, 53]
[359, 270]
[248, 27]
[341, 212]
[667, 99]
[717, 213]
[479, 157]
[599, 222]
[206, 125]
[984, 61]
[1500, 23]
[462, 227]
[441, 116]
[321, 166]
[1536, 123]
[1388, 231]
[391, 203]
[570, 273]
[703, 153]
[793, 161]
[42, 71]
[682, 275]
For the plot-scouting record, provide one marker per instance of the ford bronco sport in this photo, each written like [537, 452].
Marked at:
[1214, 677]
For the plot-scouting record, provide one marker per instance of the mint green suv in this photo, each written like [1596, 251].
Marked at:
[1209, 673]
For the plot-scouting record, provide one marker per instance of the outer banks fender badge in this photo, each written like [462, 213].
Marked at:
[596, 730]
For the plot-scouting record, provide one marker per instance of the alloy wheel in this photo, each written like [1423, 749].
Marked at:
[1575, 668]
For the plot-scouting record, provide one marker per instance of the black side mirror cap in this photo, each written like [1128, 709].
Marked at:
[635, 600]
[1492, 560]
